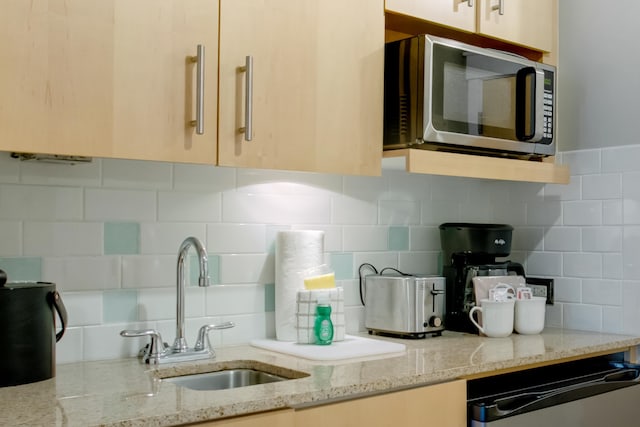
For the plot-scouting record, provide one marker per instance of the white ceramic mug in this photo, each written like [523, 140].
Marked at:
[497, 317]
[529, 316]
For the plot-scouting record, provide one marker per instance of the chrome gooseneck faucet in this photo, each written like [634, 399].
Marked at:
[180, 343]
[159, 352]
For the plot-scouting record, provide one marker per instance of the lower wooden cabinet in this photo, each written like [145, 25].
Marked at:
[440, 405]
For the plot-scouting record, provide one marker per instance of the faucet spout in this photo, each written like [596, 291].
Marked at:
[180, 343]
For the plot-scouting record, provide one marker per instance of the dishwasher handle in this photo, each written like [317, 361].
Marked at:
[531, 401]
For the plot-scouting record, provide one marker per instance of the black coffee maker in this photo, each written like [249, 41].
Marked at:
[470, 250]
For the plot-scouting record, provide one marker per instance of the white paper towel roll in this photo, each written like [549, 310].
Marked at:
[296, 251]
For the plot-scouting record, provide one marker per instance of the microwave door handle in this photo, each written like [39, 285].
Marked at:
[529, 104]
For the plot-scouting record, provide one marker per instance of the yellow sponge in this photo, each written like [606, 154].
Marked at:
[323, 281]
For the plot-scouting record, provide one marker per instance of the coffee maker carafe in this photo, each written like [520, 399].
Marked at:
[470, 250]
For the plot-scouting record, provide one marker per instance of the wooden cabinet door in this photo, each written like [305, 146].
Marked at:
[441, 405]
[107, 78]
[460, 14]
[317, 84]
[524, 22]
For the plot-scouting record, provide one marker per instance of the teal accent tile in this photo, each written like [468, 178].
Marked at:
[270, 297]
[398, 238]
[342, 264]
[22, 269]
[120, 306]
[121, 238]
[214, 270]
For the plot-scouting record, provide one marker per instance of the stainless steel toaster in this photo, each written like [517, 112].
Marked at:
[410, 306]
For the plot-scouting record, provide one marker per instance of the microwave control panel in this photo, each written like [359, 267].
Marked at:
[547, 136]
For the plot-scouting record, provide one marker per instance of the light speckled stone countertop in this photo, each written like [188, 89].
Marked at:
[127, 393]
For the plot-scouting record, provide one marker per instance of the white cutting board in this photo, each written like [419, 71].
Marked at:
[351, 347]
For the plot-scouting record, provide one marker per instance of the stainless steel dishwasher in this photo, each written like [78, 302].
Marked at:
[587, 393]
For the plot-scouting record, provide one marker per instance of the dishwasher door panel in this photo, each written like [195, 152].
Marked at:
[618, 408]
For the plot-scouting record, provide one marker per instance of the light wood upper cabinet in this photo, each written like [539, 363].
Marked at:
[441, 405]
[107, 78]
[524, 22]
[528, 23]
[317, 85]
[452, 13]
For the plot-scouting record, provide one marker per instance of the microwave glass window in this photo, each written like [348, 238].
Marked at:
[475, 95]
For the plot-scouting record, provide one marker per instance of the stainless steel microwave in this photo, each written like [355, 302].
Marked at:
[445, 95]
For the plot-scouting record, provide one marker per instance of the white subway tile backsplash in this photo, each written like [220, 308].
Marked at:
[564, 239]
[602, 239]
[247, 268]
[514, 214]
[631, 211]
[166, 238]
[120, 205]
[351, 210]
[85, 307]
[584, 235]
[362, 238]
[262, 181]
[424, 239]
[149, 271]
[82, 273]
[547, 264]
[69, 348]
[11, 241]
[582, 213]
[443, 211]
[407, 186]
[366, 188]
[379, 260]
[192, 207]
[223, 300]
[527, 239]
[247, 327]
[602, 292]
[160, 304]
[419, 262]
[631, 253]
[275, 209]
[544, 213]
[567, 290]
[203, 178]
[34, 202]
[621, 159]
[569, 191]
[587, 265]
[236, 238]
[601, 187]
[104, 342]
[399, 212]
[612, 213]
[79, 174]
[612, 266]
[582, 317]
[9, 168]
[63, 238]
[136, 174]
[612, 320]
[582, 162]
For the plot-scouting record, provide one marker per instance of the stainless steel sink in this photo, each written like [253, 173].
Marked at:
[234, 374]
[223, 380]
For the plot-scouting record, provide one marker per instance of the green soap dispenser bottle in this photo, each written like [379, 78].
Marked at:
[323, 327]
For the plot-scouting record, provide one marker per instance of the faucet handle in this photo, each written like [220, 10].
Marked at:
[151, 352]
[203, 334]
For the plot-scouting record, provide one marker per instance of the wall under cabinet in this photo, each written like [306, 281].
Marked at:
[108, 232]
